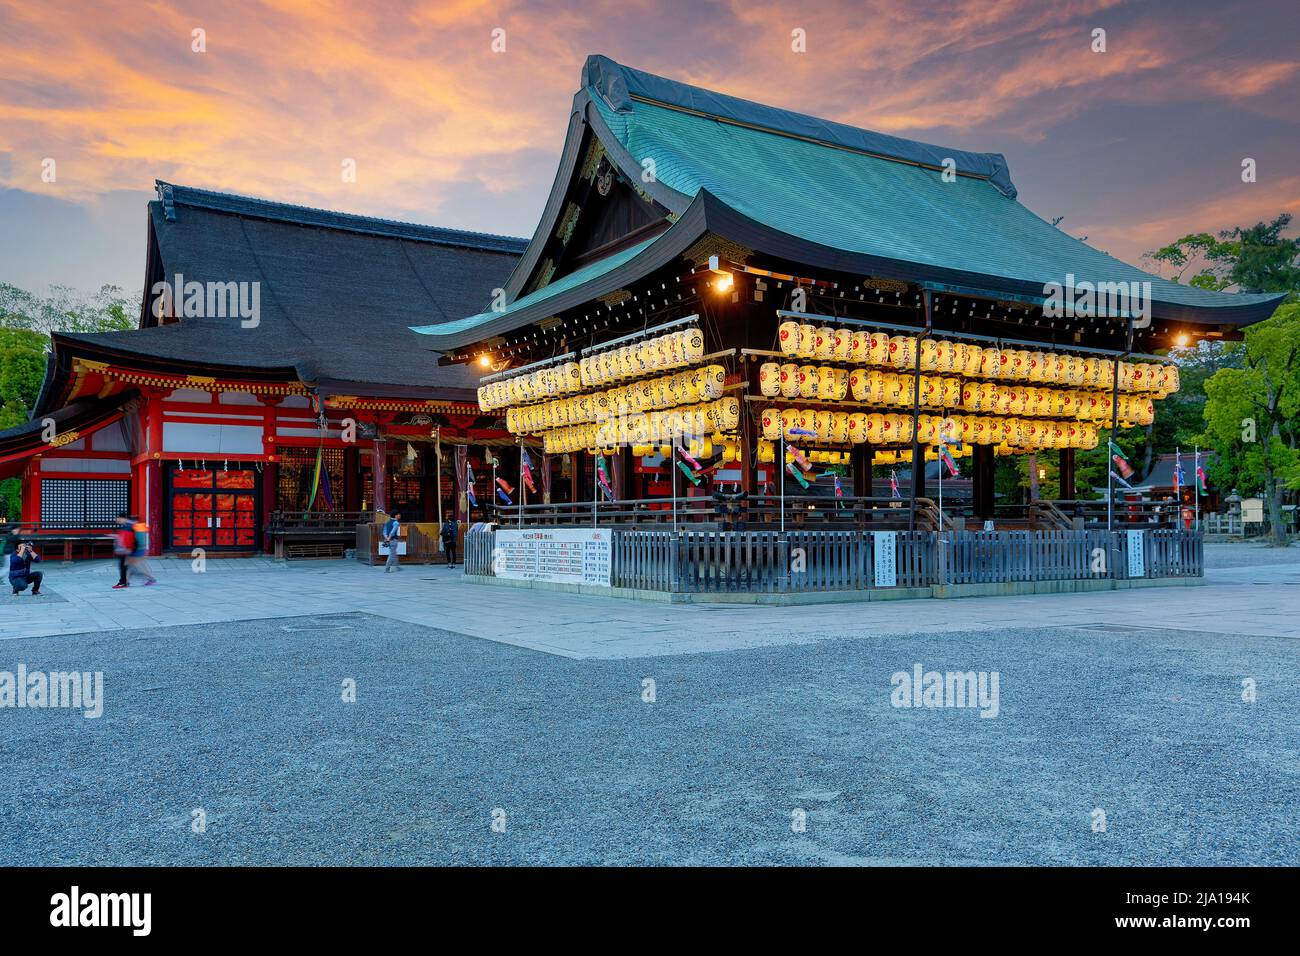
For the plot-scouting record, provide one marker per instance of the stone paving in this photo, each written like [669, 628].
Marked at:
[1249, 591]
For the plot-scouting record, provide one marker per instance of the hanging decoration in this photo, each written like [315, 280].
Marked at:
[526, 466]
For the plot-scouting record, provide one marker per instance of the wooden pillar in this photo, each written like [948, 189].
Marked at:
[379, 475]
[982, 482]
[352, 478]
[1067, 492]
[270, 499]
[575, 476]
[862, 457]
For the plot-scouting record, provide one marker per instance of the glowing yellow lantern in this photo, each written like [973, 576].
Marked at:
[902, 351]
[769, 379]
[878, 349]
[807, 381]
[787, 336]
[842, 347]
[807, 341]
[790, 381]
[859, 346]
[824, 342]
[929, 355]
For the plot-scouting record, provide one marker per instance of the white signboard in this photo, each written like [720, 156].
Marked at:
[557, 555]
[1137, 559]
[401, 549]
[886, 554]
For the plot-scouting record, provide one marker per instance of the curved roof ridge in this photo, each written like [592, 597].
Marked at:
[619, 86]
[172, 195]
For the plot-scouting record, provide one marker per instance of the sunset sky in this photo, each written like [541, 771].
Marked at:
[1134, 146]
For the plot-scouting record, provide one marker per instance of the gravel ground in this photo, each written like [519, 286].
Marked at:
[246, 722]
[1246, 555]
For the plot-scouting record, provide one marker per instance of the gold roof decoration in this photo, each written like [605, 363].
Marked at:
[711, 244]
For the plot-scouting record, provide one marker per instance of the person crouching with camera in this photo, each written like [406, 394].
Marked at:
[21, 575]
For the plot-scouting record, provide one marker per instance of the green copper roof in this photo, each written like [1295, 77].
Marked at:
[562, 284]
[875, 206]
[813, 191]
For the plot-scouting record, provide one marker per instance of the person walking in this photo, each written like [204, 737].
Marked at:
[21, 575]
[392, 535]
[448, 533]
[139, 548]
[123, 545]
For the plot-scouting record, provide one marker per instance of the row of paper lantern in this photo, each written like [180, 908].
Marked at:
[767, 455]
[668, 391]
[674, 350]
[646, 428]
[814, 426]
[817, 456]
[726, 447]
[972, 361]
[876, 387]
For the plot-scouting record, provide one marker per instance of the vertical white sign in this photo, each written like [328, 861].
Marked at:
[886, 557]
[1137, 559]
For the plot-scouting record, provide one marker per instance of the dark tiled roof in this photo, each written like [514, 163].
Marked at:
[338, 293]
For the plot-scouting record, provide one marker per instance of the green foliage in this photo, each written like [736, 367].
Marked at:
[1251, 412]
[26, 322]
[1254, 258]
[65, 310]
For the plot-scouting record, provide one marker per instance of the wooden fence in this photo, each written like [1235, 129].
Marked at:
[765, 562]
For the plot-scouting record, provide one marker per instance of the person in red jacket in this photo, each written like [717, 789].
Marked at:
[123, 544]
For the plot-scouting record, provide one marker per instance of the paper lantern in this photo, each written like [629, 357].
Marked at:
[875, 427]
[692, 345]
[946, 356]
[789, 419]
[807, 381]
[902, 351]
[973, 363]
[766, 452]
[769, 379]
[728, 413]
[824, 342]
[950, 392]
[859, 347]
[712, 382]
[842, 348]
[858, 384]
[790, 381]
[878, 349]
[930, 391]
[825, 383]
[807, 341]
[857, 427]
[991, 363]
[929, 355]
[839, 384]
[787, 336]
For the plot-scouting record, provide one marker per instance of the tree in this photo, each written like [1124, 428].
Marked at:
[26, 322]
[1250, 415]
[1255, 258]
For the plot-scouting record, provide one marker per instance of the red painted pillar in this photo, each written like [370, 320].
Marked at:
[154, 510]
[32, 492]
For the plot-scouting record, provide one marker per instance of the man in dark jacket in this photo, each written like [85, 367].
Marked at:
[448, 534]
[21, 574]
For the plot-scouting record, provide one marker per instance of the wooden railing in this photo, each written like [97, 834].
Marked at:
[710, 561]
[753, 512]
